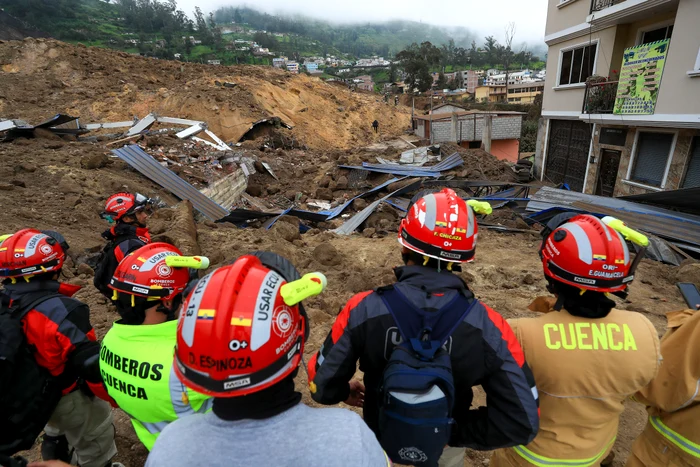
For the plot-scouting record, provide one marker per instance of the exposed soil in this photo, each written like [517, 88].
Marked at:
[45, 185]
[42, 77]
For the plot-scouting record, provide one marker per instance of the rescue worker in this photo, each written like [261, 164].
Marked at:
[240, 341]
[375, 125]
[438, 233]
[129, 213]
[587, 356]
[59, 330]
[136, 359]
[672, 435]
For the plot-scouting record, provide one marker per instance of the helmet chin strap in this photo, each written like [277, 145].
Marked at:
[170, 313]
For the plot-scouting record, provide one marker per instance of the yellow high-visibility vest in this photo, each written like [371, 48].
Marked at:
[136, 362]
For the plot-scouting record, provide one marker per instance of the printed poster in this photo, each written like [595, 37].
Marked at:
[640, 77]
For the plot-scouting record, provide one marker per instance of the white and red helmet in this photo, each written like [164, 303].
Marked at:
[236, 334]
[125, 204]
[585, 252]
[442, 226]
[30, 252]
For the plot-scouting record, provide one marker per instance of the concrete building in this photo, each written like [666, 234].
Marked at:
[279, 62]
[514, 77]
[524, 93]
[466, 128]
[293, 67]
[493, 93]
[311, 67]
[364, 82]
[447, 109]
[470, 80]
[620, 106]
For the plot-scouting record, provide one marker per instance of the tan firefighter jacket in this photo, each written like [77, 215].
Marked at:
[584, 369]
[673, 397]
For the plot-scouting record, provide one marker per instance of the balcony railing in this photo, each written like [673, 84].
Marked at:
[598, 5]
[599, 97]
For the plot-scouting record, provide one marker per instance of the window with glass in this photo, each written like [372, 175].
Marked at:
[651, 158]
[656, 35]
[577, 64]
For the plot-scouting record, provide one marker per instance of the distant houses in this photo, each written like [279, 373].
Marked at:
[279, 62]
[293, 67]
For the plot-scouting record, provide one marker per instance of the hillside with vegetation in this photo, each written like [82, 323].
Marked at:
[161, 29]
[359, 40]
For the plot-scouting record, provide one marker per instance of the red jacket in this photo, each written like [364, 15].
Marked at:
[60, 332]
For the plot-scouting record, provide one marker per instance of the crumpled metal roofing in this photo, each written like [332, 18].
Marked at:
[450, 162]
[685, 199]
[355, 221]
[335, 212]
[151, 168]
[665, 223]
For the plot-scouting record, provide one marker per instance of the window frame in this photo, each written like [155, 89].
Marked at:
[633, 157]
[695, 72]
[694, 142]
[563, 50]
[651, 27]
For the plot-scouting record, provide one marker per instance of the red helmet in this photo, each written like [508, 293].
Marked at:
[144, 273]
[124, 204]
[585, 252]
[30, 252]
[442, 226]
[236, 334]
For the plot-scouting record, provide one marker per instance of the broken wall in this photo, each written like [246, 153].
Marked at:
[676, 172]
[226, 191]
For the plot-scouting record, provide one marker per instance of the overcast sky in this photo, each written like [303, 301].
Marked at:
[487, 17]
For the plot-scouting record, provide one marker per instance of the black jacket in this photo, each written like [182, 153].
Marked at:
[60, 332]
[483, 348]
[122, 240]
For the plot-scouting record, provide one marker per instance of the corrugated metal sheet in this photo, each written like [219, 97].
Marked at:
[665, 223]
[148, 166]
[455, 160]
[548, 197]
[333, 213]
[355, 221]
[686, 199]
[666, 226]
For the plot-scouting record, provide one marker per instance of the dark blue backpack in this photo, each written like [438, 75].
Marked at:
[417, 393]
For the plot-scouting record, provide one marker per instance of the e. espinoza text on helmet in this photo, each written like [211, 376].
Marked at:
[232, 363]
[129, 366]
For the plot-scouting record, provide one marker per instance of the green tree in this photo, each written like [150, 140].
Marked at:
[441, 81]
[215, 33]
[416, 61]
[202, 27]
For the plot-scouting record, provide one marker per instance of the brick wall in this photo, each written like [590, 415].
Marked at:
[227, 190]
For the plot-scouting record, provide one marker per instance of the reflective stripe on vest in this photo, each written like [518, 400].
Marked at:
[180, 402]
[541, 461]
[682, 442]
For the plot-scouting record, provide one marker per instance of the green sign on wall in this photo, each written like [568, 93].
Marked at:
[640, 77]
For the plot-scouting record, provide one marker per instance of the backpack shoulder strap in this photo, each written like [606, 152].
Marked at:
[426, 331]
[30, 301]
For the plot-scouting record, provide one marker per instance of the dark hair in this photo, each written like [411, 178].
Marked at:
[590, 304]
[429, 262]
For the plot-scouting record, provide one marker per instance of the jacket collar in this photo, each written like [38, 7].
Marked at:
[429, 279]
[122, 229]
[22, 287]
